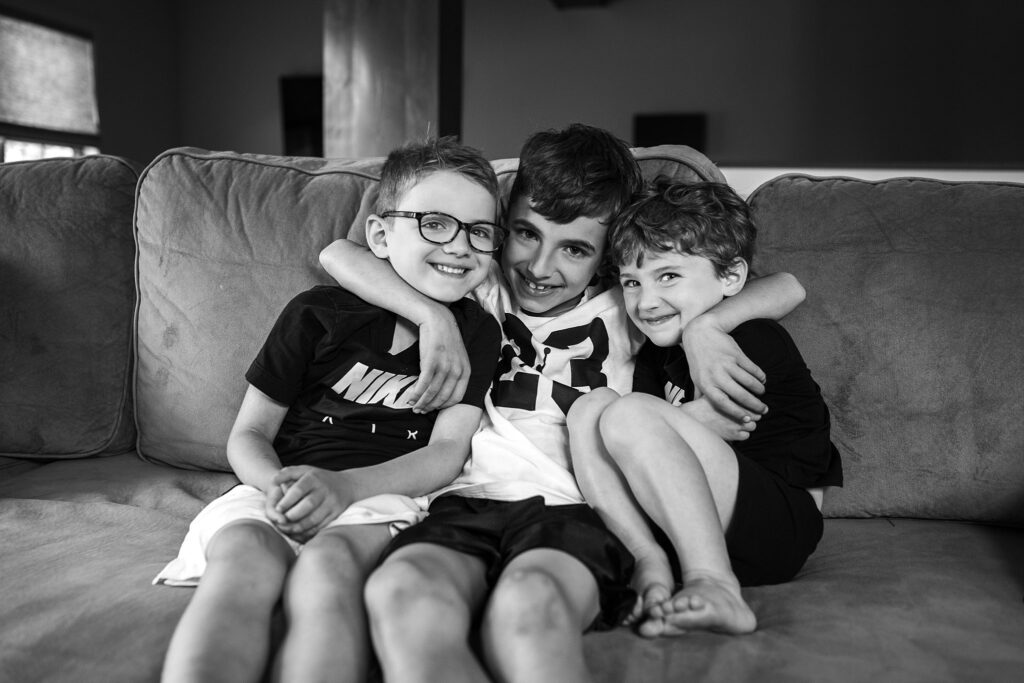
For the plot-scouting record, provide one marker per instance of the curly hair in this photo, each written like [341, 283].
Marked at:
[703, 219]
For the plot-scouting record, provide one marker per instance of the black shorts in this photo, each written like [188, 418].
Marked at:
[775, 527]
[497, 531]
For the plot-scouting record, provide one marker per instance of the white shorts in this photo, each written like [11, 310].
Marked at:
[248, 502]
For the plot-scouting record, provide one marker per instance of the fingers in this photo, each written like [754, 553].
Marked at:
[749, 376]
[444, 388]
[724, 403]
[302, 493]
[422, 394]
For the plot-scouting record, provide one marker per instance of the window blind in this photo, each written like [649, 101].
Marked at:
[47, 78]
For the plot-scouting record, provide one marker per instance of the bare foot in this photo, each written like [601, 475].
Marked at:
[652, 580]
[705, 603]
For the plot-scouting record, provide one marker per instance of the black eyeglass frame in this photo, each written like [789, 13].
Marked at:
[500, 232]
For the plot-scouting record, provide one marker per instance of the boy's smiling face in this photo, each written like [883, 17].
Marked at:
[444, 272]
[548, 264]
[672, 288]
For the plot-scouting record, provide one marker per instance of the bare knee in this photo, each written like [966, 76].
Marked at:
[246, 562]
[408, 592]
[246, 542]
[329, 574]
[627, 419]
[528, 603]
[591, 405]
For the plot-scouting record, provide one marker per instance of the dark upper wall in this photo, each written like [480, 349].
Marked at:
[232, 56]
[785, 81]
[793, 82]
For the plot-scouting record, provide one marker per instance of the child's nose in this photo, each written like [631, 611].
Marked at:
[540, 264]
[459, 245]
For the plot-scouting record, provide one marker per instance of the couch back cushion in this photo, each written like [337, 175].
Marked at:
[66, 301]
[912, 327]
[224, 241]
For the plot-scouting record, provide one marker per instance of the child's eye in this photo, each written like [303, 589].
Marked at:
[433, 226]
[525, 234]
[626, 284]
[667, 277]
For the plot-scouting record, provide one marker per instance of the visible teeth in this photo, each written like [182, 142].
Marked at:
[450, 269]
[536, 287]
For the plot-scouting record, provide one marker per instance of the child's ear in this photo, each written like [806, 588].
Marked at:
[377, 235]
[735, 277]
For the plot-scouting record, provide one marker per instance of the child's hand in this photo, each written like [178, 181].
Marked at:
[444, 366]
[309, 499]
[722, 372]
[726, 427]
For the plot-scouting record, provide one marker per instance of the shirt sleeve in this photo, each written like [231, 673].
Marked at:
[482, 336]
[280, 366]
[767, 344]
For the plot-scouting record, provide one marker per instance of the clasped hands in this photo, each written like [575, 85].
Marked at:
[303, 499]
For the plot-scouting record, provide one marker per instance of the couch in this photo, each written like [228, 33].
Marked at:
[132, 300]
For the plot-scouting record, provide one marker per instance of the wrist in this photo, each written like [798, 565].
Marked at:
[430, 313]
[707, 321]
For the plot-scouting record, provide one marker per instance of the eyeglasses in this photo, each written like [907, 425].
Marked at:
[440, 228]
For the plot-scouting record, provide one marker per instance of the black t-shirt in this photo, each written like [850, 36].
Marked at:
[327, 359]
[793, 438]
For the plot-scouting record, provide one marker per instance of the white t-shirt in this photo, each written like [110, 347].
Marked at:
[522, 446]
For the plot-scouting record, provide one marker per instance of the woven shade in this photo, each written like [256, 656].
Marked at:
[47, 79]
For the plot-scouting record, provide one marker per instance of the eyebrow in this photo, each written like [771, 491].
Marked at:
[579, 244]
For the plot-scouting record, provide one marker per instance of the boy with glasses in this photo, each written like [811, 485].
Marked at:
[329, 452]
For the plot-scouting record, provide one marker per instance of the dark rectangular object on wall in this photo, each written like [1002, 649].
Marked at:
[690, 129]
[302, 115]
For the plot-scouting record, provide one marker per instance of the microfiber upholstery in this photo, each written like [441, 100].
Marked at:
[224, 241]
[66, 258]
[915, 341]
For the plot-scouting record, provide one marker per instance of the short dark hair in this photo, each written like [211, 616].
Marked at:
[578, 171]
[703, 219]
[406, 165]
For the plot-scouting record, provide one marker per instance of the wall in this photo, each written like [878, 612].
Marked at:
[136, 71]
[232, 54]
[782, 81]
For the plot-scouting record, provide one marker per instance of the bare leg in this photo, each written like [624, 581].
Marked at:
[224, 633]
[534, 622]
[327, 635]
[685, 478]
[422, 602]
[607, 491]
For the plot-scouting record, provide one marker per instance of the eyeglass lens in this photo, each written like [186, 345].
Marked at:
[442, 228]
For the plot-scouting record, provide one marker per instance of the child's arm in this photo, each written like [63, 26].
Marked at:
[250, 447]
[720, 370]
[444, 365]
[316, 496]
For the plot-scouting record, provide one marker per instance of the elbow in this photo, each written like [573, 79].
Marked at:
[328, 254]
[799, 293]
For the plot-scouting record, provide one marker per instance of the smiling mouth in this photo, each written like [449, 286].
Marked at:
[449, 270]
[654, 322]
[535, 288]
